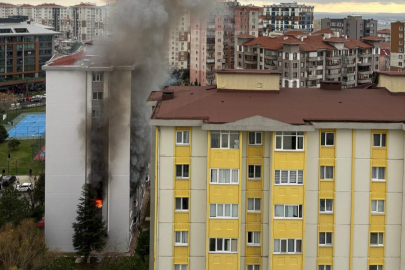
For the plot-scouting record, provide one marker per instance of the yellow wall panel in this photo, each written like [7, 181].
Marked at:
[180, 260]
[289, 160]
[181, 217]
[182, 160]
[254, 161]
[325, 261]
[253, 260]
[182, 151]
[327, 185]
[223, 228]
[253, 227]
[325, 252]
[377, 219]
[376, 252]
[180, 251]
[326, 194]
[223, 262]
[377, 228]
[378, 187]
[253, 251]
[376, 261]
[287, 228]
[224, 158]
[182, 193]
[327, 162]
[255, 151]
[253, 194]
[254, 217]
[287, 262]
[326, 227]
[327, 152]
[379, 153]
[224, 194]
[288, 194]
[254, 184]
[326, 218]
[379, 162]
[182, 184]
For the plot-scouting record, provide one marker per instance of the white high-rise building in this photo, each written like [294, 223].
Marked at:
[179, 43]
[88, 21]
[7, 10]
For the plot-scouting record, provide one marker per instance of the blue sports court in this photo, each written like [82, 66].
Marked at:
[31, 125]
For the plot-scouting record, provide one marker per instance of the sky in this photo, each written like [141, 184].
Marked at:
[357, 6]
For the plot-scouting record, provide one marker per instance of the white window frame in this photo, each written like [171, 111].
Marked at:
[325, 139]
[222, 207]
[231, 180]
[255, 138]
[291, 174]
[299, 135]
[378, 172]
[377, 204]
[223, 245]
[323, 168]
[325, 267]
[380, 236]
[255, 202]
[182, 171]
[181, 203]
[380, 141]
[287, 241]
[98, 95]
[284, 211]
[326, 237]
[180, 267]
[325, 211]
[183, 237]
[255, 168]
[97, 77]
[229, 133]
[253, 237]
[183, 140]
[253, 267]
[376, 267]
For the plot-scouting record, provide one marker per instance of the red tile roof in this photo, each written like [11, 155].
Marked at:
[245, 36]
[290, 105]
[373, 38]
[85, 5]
[247, 71]
[26, 5]
[295, 33]
[336, 39]
[291, 40]
[323, 31]
[355, 43]
[384, 31]
[49, 5]
[315, 43]
[68, 60]
[266, 42]
[7, 5]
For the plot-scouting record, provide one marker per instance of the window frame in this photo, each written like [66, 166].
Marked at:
[299, 207]
[377, 267]
[254, 205]
[181, 243]
[223, 245]
[324, 267]
[324, 173]
[379, 235]
[325, 211]
[378, 172]
[254, 172]
[223, 205]
[325, 133]
[377, 202]
[297, 174]
[222, 132]
[182, 171]
[255, 138]
[230, 175]
[181, 266]
[381, 135]
[326, 238]
[253, 267]
[298, 134]
[181, 203]
[97, 94]
[286, 245]
[253, 243]
[97, 76]
[182, 137]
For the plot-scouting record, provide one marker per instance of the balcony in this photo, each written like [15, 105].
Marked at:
[333, 66]
[271, 57]
[318, 58]
[251, 61]
[333, 76]
[365, 72]
[273, 67]
[251, 53]
[364, 80]
[210, 61]
[364, 62]
[333, 57]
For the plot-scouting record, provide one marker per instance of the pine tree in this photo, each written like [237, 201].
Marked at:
[90, 232]
[13, 207]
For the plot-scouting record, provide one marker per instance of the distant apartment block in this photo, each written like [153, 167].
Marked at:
[352, 26]
[305, 60]
[385, 34]
[213, 39]
[7, 10]
[397, 47]
[177, 55]
[317, 25]
[88, 21]
[284, 16]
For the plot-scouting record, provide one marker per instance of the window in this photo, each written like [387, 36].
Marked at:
[96, 114]
[182, 171]
[97, 77]
[253, 238]
[181, 204]
[375, 267]
[223, 245]
[376, 239]
[183, 137]
[287, 246]
[290, 141]
[97, 95]
[254, 172]
[379, 140]
[252, 267]
[377, 206]
[255, 138]
[288, 177]
[327, 172]
[288, 211]
[327, 139]
[181, 238]
[325, 238]
[224, 176]
[378, 173]
[326, 206]
[180, 267]
[223, 210]
[254, 204]
[325, 267]
[225, 139]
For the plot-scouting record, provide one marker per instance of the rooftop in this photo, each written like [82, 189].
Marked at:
[373, 38]
[384, 31]
[25, 29]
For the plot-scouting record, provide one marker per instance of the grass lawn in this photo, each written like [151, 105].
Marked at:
[23, 155]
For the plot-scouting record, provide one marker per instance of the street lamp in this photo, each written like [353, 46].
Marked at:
[8, 164]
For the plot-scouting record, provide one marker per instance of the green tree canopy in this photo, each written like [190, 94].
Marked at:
[3, 134]
[39, 190]
[13, 208]
[13, 144]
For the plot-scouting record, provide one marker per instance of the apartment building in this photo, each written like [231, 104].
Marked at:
[52, 15]
[385, 54]
[88, 21]
[212, 43]
[256, 177]
[305, 60]
[385, 34]
[352, 26]
[285, 16]
[397, 61]
[95, 143]
[177, 56]
[24, 49]
[7, 10]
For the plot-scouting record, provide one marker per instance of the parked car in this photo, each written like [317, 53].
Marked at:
[25, 187]
[9, 180]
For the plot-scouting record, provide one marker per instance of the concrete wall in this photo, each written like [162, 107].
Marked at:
[248, 81]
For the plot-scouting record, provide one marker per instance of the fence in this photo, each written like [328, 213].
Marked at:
[38, 147]
[25, 108]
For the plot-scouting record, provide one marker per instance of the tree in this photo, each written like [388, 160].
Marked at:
[3, 134]
[13, 208]
[124, 263]
[61, 264]
[13, 144]
[39, 190]
[23, 247]
[90, 230]
[142, 246]
[6, 101]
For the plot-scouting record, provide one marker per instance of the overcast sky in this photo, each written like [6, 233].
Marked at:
[355, 6]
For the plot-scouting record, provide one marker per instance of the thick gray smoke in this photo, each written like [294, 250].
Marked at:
[139, 36]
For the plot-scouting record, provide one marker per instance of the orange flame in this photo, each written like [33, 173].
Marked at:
[99, 203]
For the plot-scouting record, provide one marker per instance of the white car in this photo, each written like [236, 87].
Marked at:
[25, 187]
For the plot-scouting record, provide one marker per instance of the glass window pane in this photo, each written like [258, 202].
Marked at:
[322, 205]
[289, 211]
[279, 211]
[227, 210]
[235, 176]
[220, 210]
[177, 237]
[186, 137]
[381, 206]
[185, 238]
[381, 173]
[177, 267]
[383, 140]
[323, 138]
[322, 238]
[179, 137]
[179, 171]
[298, 244]
[215, 140]
[300, 177]
[300, 143]
[249, 267]
[329, 172]
[251, 171]
[258, 138]
[293, 177]
[224, 176]
[251, 138]
[289, 142]
[278, 142]
[213, 210]
[184, 267]
[329, 238]
[224, 142]
[214, 175]
[219, 244]
[329, 205]
[250, 204]
[94, 95]
[373, 239]
[320, 267]
[330, 139]
[234, 210]
[212, 244]
[257, 204]
[322, 172]
[277, 177]
[373, 205]
[227, 246]
[178, 203]
[283, 245]
[250, 237]
[328, 267]
[185, 203]
[234, 141]
[380, 238]
[374, 173]
[284, 177]
[185, 170]
[291, 245]
[258, 171]
[376, 139]
[276, 245]
[234, 247]
[257, 237]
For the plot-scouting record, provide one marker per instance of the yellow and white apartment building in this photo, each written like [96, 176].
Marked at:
[250, 176]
